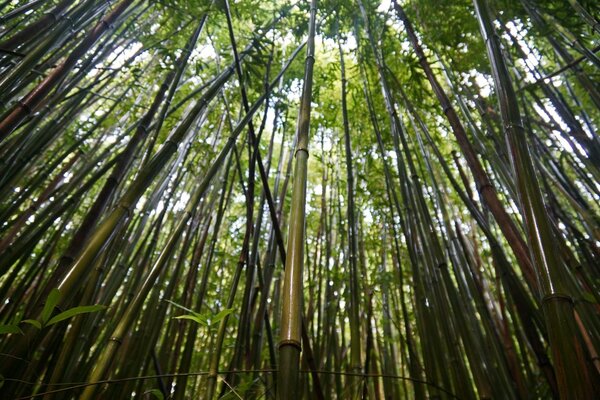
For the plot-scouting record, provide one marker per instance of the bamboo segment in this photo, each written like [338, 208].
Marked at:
[355, 336]
[290, 343]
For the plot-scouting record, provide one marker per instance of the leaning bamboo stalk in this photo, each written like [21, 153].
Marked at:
[104, 361]
[19, 77]
[541, 24]
[571, 369]
[144, 178]
[174, 79]
[126, 320]
[484, 185]
[35, 28]
[32, 5]
[122, 166]
[585, 15]
[29, 103]
[70, 283]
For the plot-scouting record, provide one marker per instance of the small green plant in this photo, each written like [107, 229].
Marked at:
[204, 319]
[46, 318]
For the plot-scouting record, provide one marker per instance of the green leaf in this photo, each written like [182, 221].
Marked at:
[156, 393]
[197, 318]
[51, 302]
[219, 316]
[588, 297]
[33, 322]
[9, 329]
[71, 312]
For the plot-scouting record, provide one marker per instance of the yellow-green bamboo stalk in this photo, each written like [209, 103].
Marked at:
[291, 320]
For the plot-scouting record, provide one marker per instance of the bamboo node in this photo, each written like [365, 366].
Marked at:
[290, 342]
[25, 106]
[125, 207]
[557, 296]
[483, 186]
[53, 15]
[106, 24]
[116, 339]
[301, 149]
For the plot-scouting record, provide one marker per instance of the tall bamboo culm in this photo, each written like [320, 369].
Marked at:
[290, 341]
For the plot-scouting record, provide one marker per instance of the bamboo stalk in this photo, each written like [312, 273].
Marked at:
[572, 374]
[290, 343]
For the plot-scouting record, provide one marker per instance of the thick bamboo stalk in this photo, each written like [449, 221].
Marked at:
[290, 343]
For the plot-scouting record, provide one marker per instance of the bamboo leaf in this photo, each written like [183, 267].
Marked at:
[220, 315]
[9, 329]
[75, 311]
[196, 318]
[33, 322]
[51, 302]
[180, 306]
[156, 393]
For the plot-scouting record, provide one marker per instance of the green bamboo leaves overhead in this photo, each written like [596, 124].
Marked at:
[165, 234]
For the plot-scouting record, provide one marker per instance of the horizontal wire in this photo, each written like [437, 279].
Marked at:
[77, 385]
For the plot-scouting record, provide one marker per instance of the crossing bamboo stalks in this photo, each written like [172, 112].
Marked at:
[29, 103]
[484, 186]
[571, 370]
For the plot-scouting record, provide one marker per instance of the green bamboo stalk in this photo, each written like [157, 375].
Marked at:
[571, 370]
[355, 337]
[291, 321]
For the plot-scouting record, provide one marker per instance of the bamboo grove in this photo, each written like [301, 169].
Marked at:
[315, 199]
